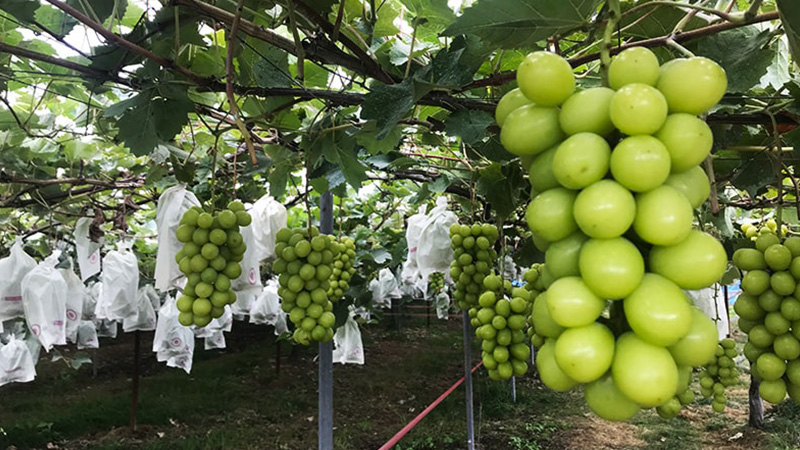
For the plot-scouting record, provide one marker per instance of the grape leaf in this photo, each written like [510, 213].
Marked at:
[469, 124]
[500, 185]
[367, 138]
[387, 104]
[23, 10]
[748, 63]
[150, 118]
[518, 23]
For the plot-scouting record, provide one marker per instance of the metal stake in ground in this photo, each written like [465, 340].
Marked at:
[325, 405]
[135, 387]
[468, 382]
[514, 389]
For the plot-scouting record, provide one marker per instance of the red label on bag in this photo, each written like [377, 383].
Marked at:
[36, 329]
[17, 298]
[13, 370]
[72, 315]
[252, 276]
[58, 323]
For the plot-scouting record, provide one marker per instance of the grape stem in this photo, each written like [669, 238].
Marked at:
[614, 14]
[671, 43]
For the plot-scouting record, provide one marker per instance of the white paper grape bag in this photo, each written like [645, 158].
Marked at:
[144, 318]
[88, 251]
[16, 363]
[267, 309]
[434, 253]
[215, 341]
[173, 342]
[12, 270]
[384, 289]
[269, 216]
[87, 335]
[712, 303]
[44, 297]
[76, 297]
[171, 206]
[242, 306]
[249, 282]
[90, 301]
[120, 279]
[442, 305]
[410, 274]
[348, 348]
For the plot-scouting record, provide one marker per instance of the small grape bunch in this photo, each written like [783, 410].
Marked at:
[719, 374]
[304, 265]
[343, 268]
[435, 283]
[212, 250]
[473, 259]
[500, 322]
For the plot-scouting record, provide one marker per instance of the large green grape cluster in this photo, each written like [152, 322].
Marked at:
[435, 283]
[769, 312]
[343, 268]
[474, 256]
[304, 265]
[212, 250]
[499, 319]
[615, 176]
[719, 374]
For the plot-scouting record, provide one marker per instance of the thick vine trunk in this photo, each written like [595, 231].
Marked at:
[756, 419]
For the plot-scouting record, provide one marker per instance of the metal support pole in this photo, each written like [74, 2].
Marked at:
[325, 405]
[468, 382]
[514, 389]
[135, 387]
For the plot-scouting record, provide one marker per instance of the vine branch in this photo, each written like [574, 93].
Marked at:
[229, 77]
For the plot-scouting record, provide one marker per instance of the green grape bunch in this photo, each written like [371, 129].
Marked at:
[210, 259]
[435, 283]
[719, 374]
[304, 265]
[769, 311]
[343, 268]
[500, 321]
[473, 256]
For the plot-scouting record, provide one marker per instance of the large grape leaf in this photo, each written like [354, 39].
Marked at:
[521, 23]
[790, 18]
[469, 124]
[151, 117]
